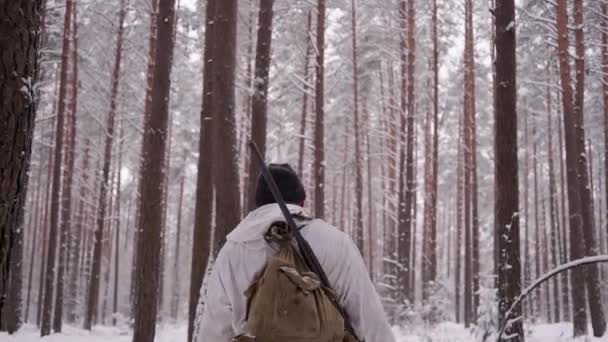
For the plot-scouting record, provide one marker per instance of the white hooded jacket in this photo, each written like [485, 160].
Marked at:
[244, 256]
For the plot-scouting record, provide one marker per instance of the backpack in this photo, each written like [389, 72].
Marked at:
[287, 302]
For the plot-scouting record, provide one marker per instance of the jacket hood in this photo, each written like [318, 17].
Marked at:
[255, 225]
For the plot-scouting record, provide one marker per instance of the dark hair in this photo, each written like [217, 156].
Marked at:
[288, 182]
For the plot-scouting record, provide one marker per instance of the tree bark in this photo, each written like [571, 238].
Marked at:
[358, 165]
[302, 149]
[319, 136]
[176, 281]
[574, 196]
[594, 289]
[93, 291]
[259, 100]
[506, 201]
[55, 192]
[205, 186]
[154, 145]
[228, 208]
[19, 72]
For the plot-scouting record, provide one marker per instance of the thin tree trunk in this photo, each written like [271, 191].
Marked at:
[359, 239]
[259, 101]
[306, 87]
[506, 203]
[117, 227]
[93, 292]
[55, 192]
[319, 136]
[459, 224]
[176, 280]
[205, 186]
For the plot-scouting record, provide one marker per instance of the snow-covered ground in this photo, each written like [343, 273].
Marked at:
[446, 332]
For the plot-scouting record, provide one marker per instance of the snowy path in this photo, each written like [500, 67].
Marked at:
[446, 332]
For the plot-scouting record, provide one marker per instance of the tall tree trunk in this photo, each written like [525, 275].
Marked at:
[117, 227]
[358, 164]
[225, 170]
[536, 305]
[564, 223]
[19, 73]
[319, 140]
[506, 203]
[55, 192]
[147, 109]
[38, 207]
[93, 291]
[65, 252]
[574, 195]
[306, 88]
[604, 26]
[45, 233]
[74, 229]
[259, 100]
[553, 219]
[204, 188]
[594, 289]
[176, 281]
[154, 145]
[459, 223]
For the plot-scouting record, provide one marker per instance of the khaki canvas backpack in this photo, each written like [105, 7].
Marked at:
[288, 303]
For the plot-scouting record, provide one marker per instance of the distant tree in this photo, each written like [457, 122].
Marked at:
[357, 133]
[93, 290]
[55, 191]
[319, 136]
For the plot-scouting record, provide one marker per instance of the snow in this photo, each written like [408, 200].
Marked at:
[444, 332]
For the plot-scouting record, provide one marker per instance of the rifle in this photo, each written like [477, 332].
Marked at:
[307, 253]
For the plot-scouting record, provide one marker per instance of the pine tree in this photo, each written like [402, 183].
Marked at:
[55, 191]
[154, 145]
[259, 100]
[319, 133]
[506, 205]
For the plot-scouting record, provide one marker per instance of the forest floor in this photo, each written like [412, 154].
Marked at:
[446, 332]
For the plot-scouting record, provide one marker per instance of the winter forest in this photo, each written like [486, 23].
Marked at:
[462, 144]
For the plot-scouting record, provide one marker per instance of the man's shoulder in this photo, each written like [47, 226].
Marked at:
[319, 229]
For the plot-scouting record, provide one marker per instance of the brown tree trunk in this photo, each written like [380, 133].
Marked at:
[147, 108]
[536, 305]
[574, 195]
[45, 233]
[55, 192]
[565, 257]
[506, 201]
[204, 187]
[73, 250]
[176, 279]
[154, 144]
[319, 140]
[604, 25]
[459, 223]
[259, 100]
[68, 175]
[228, 208]
[359, 240]
[93, 291]
[594, 289]
[117, 227]
[306, 87]
[21, 26]
[553, 219]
